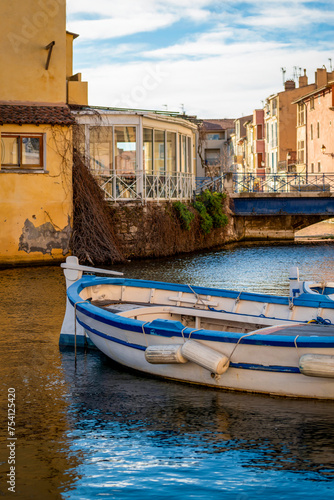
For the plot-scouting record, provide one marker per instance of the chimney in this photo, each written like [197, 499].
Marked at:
[321, 77]
[289, 85]
[303, 80]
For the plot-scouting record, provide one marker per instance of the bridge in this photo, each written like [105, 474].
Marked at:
[276, 206]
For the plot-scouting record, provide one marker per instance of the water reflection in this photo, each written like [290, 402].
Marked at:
[31, 309]
[132, 426]
[248, 267]
[103, 431]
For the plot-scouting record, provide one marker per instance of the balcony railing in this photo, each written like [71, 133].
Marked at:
[143, 186]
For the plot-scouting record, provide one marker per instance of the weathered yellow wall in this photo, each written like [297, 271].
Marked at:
[69, 54]
[26, 28]
[36, 208]
[77, 93]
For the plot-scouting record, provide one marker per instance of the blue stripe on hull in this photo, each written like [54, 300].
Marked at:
[242, 366]
[212, 336]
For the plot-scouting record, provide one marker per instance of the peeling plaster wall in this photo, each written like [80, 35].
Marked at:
[44, 238]
[43, 199]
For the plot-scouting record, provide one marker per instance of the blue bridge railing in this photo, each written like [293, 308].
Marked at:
[282, 183]
[267, 183]
[211, 183]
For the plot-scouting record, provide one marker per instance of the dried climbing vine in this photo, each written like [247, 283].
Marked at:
[93, 237]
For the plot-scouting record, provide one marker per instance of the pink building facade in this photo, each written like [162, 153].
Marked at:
[316, 130]
[259, 141]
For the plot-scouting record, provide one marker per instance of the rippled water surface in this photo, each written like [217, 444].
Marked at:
[100, 431]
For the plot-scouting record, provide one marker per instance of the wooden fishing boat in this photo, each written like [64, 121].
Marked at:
[225, 339]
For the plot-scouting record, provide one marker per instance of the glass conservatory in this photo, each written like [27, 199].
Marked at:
[137, 154]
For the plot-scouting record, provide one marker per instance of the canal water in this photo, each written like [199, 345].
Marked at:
[100, 431]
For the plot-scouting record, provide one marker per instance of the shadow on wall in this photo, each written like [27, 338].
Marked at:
[321, 231]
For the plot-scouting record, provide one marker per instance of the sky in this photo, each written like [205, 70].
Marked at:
[209, 58]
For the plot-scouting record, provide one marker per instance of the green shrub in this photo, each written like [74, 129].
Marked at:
[212, 202]
[206, 220]
[184, 215]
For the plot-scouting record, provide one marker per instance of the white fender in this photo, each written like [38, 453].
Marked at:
[317, 365]
[163, 354]
[208, 358]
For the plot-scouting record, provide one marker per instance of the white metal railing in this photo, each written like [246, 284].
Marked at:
[143, 186]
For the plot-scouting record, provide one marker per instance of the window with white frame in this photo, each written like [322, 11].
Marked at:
[171, 152]
[300, 151]
[22, 151]
[301, 114]
[159, 152]
[183, 152]
[189, 154]
[148, 150]
[125, 149]
[101, 150]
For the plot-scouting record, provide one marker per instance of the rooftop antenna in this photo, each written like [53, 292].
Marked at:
[182, 108]
[330, 64]
[283, 73]
[295, 72]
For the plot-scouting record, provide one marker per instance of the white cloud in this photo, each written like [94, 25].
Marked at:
[115, 19]
[287, 16]
[224, 67]
[121, 26]
[221, 86]
[214, 43]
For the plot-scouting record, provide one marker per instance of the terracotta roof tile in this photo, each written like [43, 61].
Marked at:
[37, 115]
[217, 124]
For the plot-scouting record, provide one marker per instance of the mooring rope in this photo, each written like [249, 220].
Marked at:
[198, 297]
[142, 326]
[239, 340]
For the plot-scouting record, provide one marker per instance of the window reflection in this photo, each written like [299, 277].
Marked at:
[10, 150]
[31, 154]
[22, 151]
[125, 150]
[148, 150]
[159, 151]
[164, 155]
[183, 153]
[171, 152]
[101, 154]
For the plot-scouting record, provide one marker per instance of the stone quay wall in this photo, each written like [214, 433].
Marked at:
[153, 230]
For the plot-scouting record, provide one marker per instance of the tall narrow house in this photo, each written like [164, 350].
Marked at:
[36, 85]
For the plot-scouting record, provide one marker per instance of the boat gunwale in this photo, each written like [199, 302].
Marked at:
[107, 317]
[304, 300]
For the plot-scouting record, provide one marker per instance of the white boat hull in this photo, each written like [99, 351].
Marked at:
[239, 379]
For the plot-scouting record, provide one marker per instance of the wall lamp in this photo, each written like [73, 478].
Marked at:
[323, 150]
